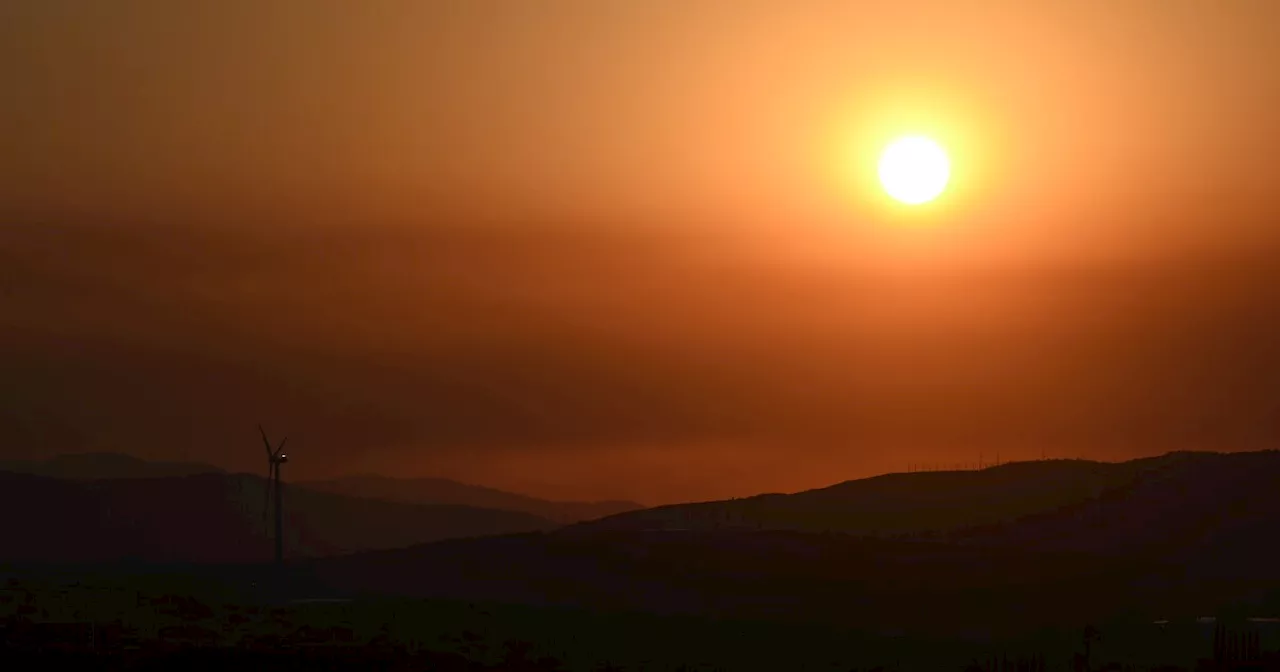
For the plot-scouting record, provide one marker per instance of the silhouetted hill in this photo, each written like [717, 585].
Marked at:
[214, 518]
[87, 466]
[445, 491]
[1202, 514]
[911, 504]
[1182, 534]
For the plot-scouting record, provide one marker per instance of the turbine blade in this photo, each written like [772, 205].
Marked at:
[265, 442]
[281, 447]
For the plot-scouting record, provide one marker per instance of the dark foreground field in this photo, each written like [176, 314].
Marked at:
[166, 619]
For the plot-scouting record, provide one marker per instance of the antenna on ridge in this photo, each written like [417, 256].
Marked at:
[274, 490]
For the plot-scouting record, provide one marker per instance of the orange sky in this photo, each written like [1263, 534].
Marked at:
[633, 249]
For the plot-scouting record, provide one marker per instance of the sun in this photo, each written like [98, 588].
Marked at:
[914, 170]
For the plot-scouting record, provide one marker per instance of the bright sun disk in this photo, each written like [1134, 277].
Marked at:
[914, 170]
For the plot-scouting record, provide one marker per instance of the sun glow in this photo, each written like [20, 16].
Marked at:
[914, 170]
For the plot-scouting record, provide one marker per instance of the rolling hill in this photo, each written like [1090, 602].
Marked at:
[445, 491]
[937, 504]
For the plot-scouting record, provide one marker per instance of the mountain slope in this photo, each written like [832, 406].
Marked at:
[445, 491]
[214, 518]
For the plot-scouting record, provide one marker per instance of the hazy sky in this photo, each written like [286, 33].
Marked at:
[635, 249]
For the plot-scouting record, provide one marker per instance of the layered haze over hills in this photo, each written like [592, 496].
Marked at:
[445, 491]
[103, 506]
[428, 491]
[215, 518]
[110, 506]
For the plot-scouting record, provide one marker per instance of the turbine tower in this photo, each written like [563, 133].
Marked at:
[275, 458]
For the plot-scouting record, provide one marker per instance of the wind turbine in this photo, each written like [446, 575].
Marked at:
[275, 458]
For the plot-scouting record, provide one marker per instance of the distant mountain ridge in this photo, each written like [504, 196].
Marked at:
[445, 491]
[215, 518]
[420, 491]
